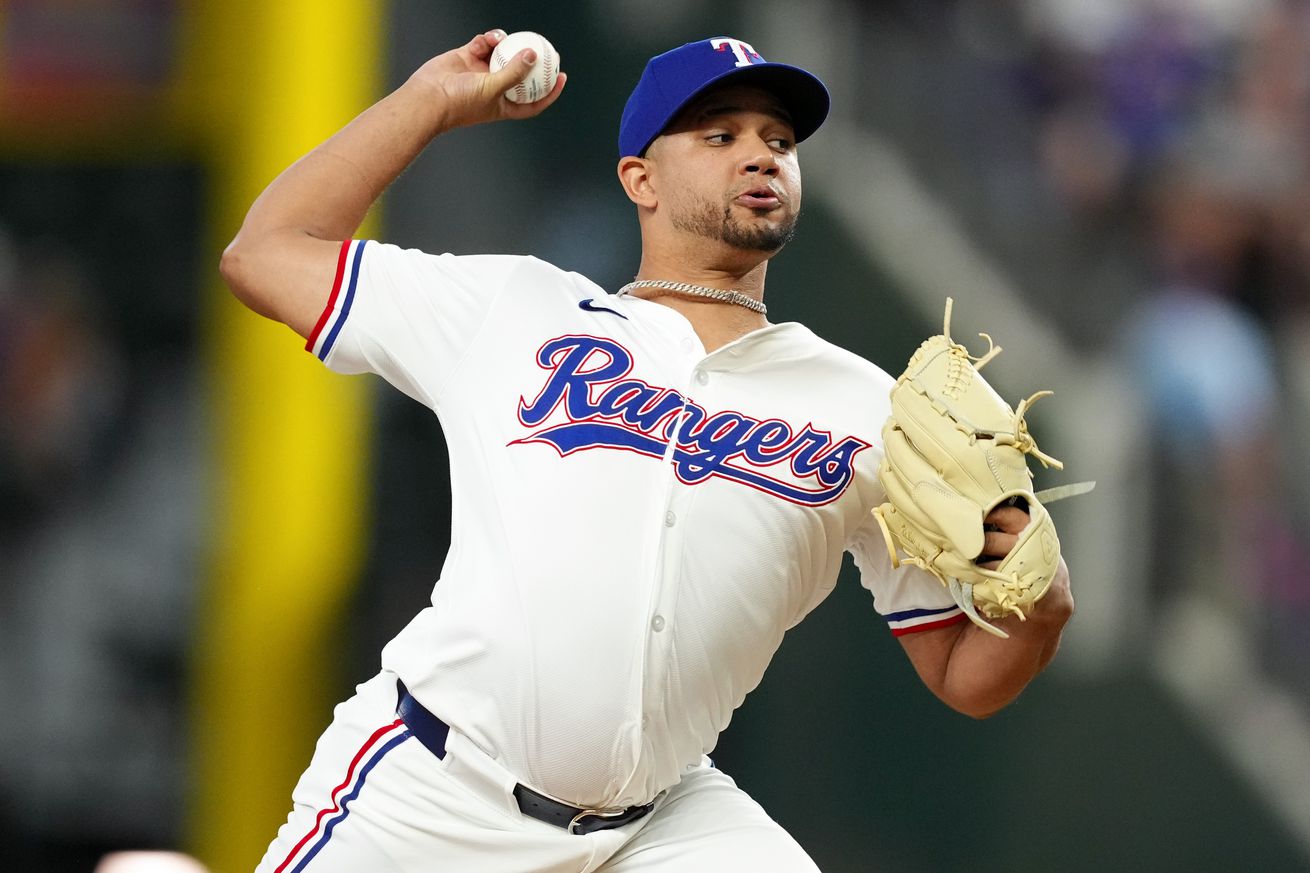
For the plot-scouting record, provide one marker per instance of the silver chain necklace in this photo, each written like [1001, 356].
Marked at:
[734, 297]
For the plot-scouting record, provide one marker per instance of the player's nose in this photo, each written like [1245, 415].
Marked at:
[759, 158]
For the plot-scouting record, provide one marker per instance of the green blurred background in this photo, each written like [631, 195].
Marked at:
[205, 540]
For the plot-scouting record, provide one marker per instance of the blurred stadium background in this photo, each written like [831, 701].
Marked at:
[204, 540]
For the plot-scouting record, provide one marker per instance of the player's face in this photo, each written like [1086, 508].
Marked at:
[729, 171]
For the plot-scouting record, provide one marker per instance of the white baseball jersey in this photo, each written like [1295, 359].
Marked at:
[636, 523]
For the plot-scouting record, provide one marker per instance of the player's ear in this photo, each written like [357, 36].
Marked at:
[636, 178]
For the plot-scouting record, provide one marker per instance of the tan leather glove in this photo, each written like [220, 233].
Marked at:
[953, 451]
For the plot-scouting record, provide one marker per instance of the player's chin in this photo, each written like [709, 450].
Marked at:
[757, 233]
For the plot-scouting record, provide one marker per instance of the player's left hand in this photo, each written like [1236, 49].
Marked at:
[1001, 530]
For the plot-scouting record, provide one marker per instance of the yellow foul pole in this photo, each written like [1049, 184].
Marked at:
[266, 82]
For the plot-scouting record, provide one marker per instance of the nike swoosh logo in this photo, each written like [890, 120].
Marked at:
[590, 306]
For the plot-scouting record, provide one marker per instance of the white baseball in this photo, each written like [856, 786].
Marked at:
[540, 80]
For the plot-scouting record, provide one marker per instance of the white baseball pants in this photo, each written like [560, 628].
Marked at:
[375, 799]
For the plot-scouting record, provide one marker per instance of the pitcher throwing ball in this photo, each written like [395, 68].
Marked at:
[650, 487]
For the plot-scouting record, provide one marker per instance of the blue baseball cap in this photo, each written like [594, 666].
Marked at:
[673, 79]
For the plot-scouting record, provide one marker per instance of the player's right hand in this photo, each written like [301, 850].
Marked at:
[470, 93]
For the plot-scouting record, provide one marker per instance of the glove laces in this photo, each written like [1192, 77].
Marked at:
[1023, 440]
[979, 361]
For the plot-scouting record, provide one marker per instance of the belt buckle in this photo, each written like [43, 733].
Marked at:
[604, 814]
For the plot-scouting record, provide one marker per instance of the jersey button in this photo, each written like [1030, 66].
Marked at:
[670, 519]
[702, 377]
[657, 623]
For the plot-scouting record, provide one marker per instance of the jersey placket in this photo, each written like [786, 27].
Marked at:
[670, 528]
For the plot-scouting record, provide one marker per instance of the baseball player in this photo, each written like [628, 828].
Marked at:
[650, 487]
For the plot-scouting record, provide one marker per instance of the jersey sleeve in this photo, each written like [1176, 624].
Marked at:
[909, 598]
[406, 315]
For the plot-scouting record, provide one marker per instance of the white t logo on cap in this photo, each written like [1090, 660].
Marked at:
[742, 50]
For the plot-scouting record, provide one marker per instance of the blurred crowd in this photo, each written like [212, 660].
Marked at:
[101, 479]
[1143, 170]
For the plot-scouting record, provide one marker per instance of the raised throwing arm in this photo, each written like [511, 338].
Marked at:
[282, 262]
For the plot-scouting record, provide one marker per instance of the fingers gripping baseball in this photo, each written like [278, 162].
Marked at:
[505, 80]
[534, 65]
[472, 92]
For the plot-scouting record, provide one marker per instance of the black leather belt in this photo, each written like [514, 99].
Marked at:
[432, 732]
